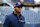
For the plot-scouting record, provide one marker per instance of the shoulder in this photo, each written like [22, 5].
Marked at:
[7, 16]
[10, 15]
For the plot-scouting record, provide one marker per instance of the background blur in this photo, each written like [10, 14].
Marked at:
[30, 11]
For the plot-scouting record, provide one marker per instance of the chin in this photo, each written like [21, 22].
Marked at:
[19, 12]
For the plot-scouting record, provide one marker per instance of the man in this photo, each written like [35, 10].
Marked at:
[15, 19]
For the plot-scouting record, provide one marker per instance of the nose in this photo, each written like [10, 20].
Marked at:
[20, 8]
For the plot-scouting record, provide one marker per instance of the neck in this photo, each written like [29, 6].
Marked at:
[16, 13]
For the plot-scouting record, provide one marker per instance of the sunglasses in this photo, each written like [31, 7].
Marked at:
[19, 6]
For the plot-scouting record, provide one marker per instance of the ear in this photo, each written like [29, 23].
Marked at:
[14, 7]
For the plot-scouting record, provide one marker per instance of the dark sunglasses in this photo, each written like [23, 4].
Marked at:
[19, 6]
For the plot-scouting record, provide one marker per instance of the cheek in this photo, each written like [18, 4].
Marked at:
[17, 9]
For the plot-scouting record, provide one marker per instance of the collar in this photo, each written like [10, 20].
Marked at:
[16, 14]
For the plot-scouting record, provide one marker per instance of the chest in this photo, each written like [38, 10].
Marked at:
[14, 21]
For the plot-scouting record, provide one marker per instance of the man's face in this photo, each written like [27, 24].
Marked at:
[18, 8]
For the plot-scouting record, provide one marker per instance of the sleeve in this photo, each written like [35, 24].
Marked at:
[23, 19]
[6, 23]
[23, 23]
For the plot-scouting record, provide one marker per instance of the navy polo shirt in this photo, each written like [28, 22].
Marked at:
[13, 21]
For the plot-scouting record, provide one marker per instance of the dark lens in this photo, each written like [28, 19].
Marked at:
[18, 7]
[21, 6]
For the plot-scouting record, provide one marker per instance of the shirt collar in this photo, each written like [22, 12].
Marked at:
[16, 14]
